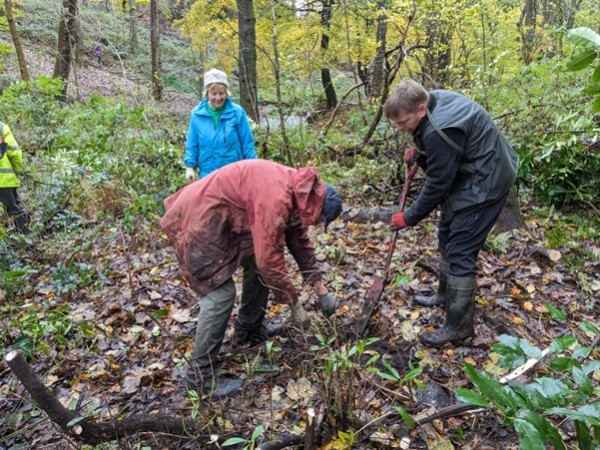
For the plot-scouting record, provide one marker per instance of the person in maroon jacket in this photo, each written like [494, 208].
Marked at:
[245, 214]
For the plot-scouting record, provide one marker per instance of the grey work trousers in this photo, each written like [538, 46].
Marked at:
[215, 310]
[10, 198]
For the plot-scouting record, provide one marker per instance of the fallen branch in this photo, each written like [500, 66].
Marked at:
[80, 427]
[452, 410]
[282, 442]
[551, 254]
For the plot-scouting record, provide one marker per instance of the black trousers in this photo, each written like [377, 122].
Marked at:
[11, 200]
[461, 236]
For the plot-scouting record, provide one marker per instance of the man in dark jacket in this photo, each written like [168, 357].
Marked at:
[469, 171]
[245, 214]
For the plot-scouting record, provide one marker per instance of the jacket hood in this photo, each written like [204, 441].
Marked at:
[309, 193]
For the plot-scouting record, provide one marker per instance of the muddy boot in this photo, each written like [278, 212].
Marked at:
[460, 309]
[439, 298]
[215, 386]
[22, 223]
[256, 336]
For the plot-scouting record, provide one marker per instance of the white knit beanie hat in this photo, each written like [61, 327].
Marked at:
[215, 76]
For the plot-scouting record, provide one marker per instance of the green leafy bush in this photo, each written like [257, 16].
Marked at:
[93, 159]
[534, 409]
[588, 50]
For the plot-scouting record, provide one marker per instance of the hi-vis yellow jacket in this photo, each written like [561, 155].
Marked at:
[11, 162]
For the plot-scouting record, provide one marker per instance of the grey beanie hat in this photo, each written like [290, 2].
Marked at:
[215, 76]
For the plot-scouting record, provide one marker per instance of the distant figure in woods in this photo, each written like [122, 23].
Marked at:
[469, 170]
[219, 132]
[11, 164]
[98, 53]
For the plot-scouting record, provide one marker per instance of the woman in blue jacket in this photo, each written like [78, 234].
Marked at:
[219, 132]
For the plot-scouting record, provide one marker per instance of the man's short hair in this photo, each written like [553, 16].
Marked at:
[405, 98]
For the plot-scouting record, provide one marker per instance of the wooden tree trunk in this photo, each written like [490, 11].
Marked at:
[328, 86]
[397, 56]
[247, 55]
[437, 58]
[277, 70]
[133, 27]
[16, 40]
[78, 37]
[155, 46]
[377, 73]
[510, 217]
[527, 26]
[66, 35]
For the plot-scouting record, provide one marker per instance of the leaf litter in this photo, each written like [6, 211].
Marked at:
[132, 333]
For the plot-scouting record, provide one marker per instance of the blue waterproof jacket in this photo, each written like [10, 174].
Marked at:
[209, 148]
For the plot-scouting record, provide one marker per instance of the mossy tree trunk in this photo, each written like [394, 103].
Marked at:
[247, 55]
[511, 217]
[328, 87]
[66, 38]
[157, 88]
[16, 40]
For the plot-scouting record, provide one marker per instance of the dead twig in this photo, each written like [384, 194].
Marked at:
[282, 441]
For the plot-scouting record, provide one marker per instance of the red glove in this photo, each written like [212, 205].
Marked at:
[398, 221]
[410, 156]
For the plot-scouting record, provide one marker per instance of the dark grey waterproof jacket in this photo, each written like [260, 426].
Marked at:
[488, 164]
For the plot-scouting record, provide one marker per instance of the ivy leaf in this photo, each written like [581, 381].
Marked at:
[530, 398]
[258, 431]
[548, 432]
[530, 350]
[555, 392]
[592, 89]
[583, 382]
[584, 415]
[491, 388]
[529, 436]
[590, 367]
[472, 397]
[510, 351]
[584, 37]
[414, 373]
[75, 421]
[589, 327]
[556, 314]
[233, 441]
[593, 409]
[596, 105]
[406, 418]
[563, 363]
[582, 60]
[583, 436]
[563, 343]
[596, 74]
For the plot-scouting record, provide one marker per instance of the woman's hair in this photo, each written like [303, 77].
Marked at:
[209, 87]
[405, 98]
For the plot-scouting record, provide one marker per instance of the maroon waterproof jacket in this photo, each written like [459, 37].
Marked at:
[252, 207]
